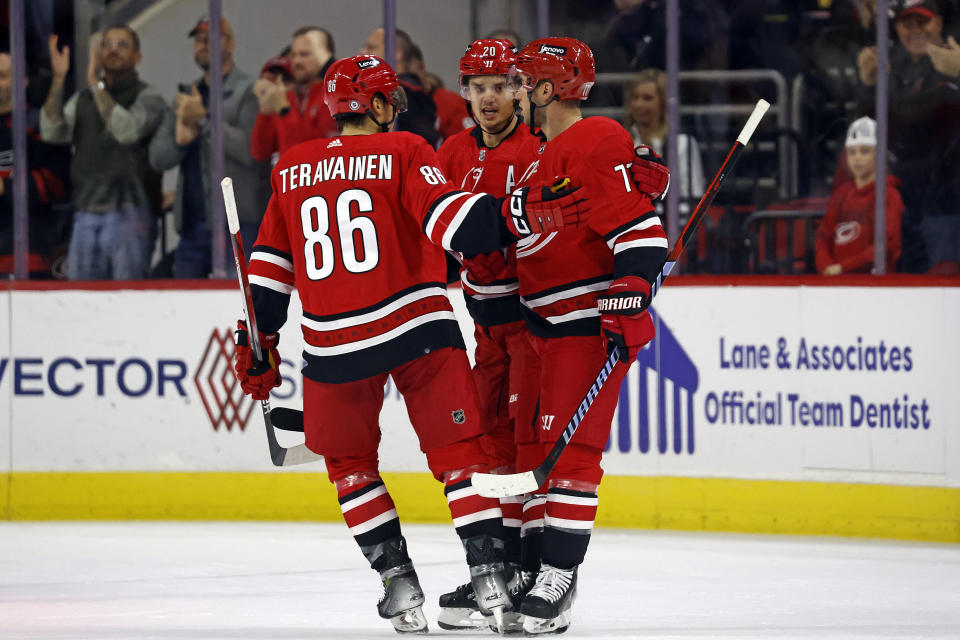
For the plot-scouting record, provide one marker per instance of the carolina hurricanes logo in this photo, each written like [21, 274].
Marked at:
[847, 232]
[533, 243]
[474, 175]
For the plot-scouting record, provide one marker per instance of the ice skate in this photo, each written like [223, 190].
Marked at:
[402, 599]
[548, 607]
[485, 557]
[518, 587]
[459, 610]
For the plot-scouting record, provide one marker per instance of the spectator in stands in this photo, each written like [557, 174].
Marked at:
[115, 191]
[452, 114]
[646, 120]
[945, 58]
[845, 237]
[289, 117]
[924, 133]
[276, 68]
[184, 140]
[421, 114]
[637, 36]
[47, 170]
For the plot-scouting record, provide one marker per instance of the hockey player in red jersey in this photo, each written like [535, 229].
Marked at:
[350, 226]
[491, 157]
[617, 252]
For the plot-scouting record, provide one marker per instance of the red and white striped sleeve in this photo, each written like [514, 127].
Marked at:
[271, 270]
[454, 219]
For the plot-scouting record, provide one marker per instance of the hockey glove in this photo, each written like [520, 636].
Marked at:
[543, 208]
[484, 268]
[624, 318]
[650, 173]
[257, 378]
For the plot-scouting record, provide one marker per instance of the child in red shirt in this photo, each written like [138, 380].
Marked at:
[845, 238]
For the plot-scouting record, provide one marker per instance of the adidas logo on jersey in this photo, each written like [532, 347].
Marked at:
[335, 143]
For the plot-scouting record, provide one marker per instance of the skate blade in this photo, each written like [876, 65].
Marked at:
[546, 626]
[511, 625]
[410, 621]
[462, 619]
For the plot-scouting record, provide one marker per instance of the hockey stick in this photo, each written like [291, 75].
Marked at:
[515, 484]
[281, 456]
[287, 419]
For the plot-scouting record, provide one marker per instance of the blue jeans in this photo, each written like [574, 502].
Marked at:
[112, 245]
[193, 257]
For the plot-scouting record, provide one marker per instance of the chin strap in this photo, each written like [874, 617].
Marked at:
[534, 107]
[516, 112]
[384, 126]
[506, 126]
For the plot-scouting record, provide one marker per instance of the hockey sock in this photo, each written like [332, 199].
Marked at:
[568, 522]
[512, 508]
[531, 532]
[473, 515]
[371, 516]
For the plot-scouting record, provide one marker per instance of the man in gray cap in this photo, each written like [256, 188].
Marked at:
[184, 139]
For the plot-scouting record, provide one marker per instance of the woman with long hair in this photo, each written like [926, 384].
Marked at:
[645, 100]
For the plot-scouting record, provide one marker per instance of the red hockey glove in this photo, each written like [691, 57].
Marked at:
[543, 208]
[257, 378]
[650, 173]
[624, 318]
[484, 268]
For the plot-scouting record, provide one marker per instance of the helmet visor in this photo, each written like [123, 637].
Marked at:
[398, 98]
[528, 82]
[475, 88]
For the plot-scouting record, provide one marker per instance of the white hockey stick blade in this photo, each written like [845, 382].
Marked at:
[300, 455]
[513, 484]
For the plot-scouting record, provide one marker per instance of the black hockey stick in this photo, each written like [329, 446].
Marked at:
[515, 484]
[281, 456]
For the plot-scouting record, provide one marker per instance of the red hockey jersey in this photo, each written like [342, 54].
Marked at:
[471, 165]
[350, 225]
[561, 274]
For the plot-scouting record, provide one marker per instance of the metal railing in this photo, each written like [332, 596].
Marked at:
[780, 108]
[776, 231]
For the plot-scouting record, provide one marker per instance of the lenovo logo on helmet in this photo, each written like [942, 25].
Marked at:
[552, 50]
[366, 64]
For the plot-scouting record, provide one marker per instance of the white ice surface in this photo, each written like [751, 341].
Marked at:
[285, 581]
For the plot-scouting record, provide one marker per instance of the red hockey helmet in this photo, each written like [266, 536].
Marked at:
[351, 84]
[566, 62]
[489, 57]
